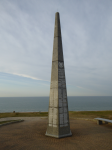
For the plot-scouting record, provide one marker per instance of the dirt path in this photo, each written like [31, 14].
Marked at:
[30, 135]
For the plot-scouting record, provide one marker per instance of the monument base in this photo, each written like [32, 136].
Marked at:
[59, 136]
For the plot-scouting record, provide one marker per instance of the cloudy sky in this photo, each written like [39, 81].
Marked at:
[26, 45]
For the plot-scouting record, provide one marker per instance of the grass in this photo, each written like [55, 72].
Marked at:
[72, 114]
[91, 114]
[2, 122]
[24, 114]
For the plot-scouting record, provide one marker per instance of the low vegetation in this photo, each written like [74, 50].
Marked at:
[91, 114]
[3, 122]
[24, 114]
[72, 114]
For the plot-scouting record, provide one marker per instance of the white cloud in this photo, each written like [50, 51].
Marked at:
[26, 76]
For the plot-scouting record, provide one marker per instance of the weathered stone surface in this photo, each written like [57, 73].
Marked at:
[58, 118]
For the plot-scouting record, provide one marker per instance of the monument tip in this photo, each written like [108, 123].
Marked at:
[57, 13]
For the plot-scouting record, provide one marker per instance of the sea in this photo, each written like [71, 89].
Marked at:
[41, 104]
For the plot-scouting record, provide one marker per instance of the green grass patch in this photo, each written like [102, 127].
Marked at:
[2, 122]
[25, 114]
[74, 114]
[91, 114]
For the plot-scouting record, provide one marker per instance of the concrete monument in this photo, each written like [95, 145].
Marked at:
[58, 117]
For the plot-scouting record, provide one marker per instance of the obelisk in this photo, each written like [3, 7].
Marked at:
[58, 117]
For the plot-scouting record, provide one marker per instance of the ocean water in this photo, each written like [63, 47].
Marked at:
[35, 104]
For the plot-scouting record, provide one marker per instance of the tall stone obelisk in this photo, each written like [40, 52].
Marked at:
[58, 117]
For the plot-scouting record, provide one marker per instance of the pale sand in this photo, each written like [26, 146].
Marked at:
[30, 135]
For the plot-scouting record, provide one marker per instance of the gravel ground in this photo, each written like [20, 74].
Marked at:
[30, 135]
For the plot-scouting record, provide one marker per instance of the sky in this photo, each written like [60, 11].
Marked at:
[26, 46]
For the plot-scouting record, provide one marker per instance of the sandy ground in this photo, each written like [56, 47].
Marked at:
[30, 135]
